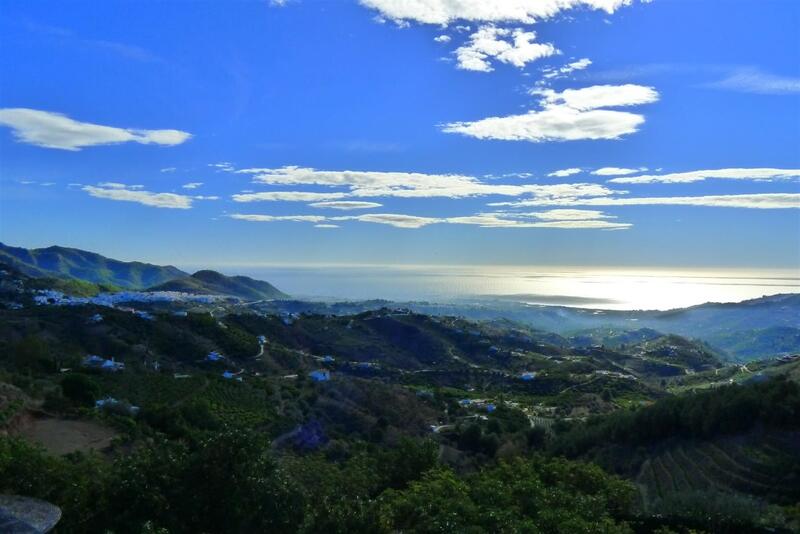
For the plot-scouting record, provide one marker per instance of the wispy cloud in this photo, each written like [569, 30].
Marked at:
[757, 174]
[565, 219]
[570, 115]
[278, 218]
[748, 201]
[374, 184]
[616, 171]
[346, 205]
[287, 196]
[192, 185]
[567, 215]
[569, 68]
[753, 80]
[392, 219]
[118, 185]
[146, 198]
[66, 36]
[55, 130]
[222, 166]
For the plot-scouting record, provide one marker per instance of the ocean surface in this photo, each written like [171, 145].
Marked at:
[606, 288]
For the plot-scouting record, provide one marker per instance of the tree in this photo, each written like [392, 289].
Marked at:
[80, 388]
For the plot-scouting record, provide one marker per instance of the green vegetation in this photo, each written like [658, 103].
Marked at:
[61, 262]
[427, 424]
[723, 411]
[231, 482]
[214, 283]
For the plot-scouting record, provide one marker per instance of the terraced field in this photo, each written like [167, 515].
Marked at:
[765, 466]
[230, 401]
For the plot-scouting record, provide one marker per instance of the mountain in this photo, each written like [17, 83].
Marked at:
[758, 328]
[214, 283]
[62, 262]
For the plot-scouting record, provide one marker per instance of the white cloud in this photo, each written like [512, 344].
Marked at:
[570, 115]
[554, 124]
[563, 173]
[751, 80]
[516, 47]
[370, 184]
[581, 64]
[569, 215]
[444, 12]
[169, 169]
[558, 218]
[569, 68]
[222, 166]
[192, 185]
[55, 130]
[392, 219]
[326, 226]
[147, 198]
[117, 185]
[293, 175]
[758, 174]
[598, 96]
[442, 38]
[286, 196]
[567, 218]
[278, 218]
[346, 205]
[616, 171]
[751, 201]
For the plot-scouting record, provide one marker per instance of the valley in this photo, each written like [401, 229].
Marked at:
[330, 379]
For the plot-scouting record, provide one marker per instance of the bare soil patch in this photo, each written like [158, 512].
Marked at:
[62, 436]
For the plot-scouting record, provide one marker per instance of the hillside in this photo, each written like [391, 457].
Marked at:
[758, 328]
[62, 262]
[214, 283]
[714, 458]
[408, 397]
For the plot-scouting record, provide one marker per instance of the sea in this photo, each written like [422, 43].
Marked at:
[599, 288]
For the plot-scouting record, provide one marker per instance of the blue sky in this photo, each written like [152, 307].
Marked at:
[222, 132]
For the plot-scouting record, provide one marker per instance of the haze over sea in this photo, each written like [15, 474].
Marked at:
[606, 288]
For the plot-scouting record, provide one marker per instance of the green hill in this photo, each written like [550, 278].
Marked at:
[61, 262]
[214, 283]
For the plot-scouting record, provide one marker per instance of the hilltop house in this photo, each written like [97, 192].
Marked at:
[96, 362]
[214, 356]
[320, 375]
